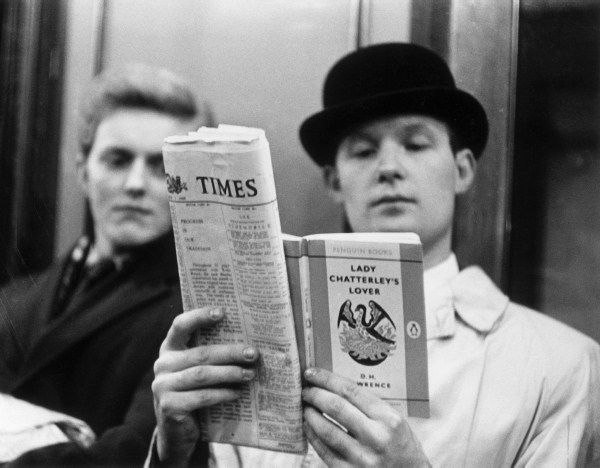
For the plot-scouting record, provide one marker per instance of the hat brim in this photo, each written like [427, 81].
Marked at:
[321, 133]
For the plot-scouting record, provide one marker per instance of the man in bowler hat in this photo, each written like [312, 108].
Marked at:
[398, 142]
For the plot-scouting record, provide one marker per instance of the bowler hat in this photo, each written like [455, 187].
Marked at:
[385, 80]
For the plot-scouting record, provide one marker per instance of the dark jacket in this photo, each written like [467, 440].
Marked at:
[95, 360]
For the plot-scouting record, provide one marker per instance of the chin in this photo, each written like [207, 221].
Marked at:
[393, 226]
[135, 238]
[382, 222]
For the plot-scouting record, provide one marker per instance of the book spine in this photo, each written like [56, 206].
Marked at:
[292, 249]
[296, 263]
[307, 320]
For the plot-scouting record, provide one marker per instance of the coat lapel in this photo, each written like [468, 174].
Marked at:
[29, 308]
[86, 315]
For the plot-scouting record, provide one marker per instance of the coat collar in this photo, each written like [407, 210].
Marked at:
[477, 299]
[469, 294]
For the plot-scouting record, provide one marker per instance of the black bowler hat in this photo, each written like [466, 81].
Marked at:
[391, 79]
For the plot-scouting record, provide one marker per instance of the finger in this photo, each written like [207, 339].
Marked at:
[331, 442]
[330, 457]
[367, 402]
[176, 403]
[325, 453]
[206, 355]
[343, 412]
[202, 377]
[187, 323]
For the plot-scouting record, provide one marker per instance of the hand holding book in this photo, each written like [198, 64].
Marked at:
[191, 378]
[375, 435]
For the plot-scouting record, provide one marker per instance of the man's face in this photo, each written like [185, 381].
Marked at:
[400, 174]
[123, 178]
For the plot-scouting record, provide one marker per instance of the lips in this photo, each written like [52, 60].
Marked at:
[134, 209]
[391, 200]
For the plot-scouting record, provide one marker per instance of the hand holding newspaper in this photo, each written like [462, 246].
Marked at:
[230, 255]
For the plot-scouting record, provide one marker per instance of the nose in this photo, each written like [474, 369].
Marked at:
[390, 161]
[135, 181]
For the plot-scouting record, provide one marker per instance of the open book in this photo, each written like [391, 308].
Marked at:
[359, 310]
[230, 253]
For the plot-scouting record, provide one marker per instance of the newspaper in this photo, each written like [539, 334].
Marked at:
[230, 255]
[25, 427]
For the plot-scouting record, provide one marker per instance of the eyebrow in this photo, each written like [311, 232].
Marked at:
[116, 150]
[418, 128]
[360, 135]
[124, 151]
[405, 130]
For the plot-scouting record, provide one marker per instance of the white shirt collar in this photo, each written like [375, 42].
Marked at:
[440, 274]
[439, 301]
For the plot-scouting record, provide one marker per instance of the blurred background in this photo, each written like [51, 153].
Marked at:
[533, 218]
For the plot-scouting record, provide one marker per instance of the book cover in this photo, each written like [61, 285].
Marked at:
[362, 312]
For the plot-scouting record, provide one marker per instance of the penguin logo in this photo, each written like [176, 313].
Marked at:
[368, 337]
[413, 329]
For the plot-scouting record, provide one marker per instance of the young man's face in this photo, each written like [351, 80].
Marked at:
[400, 174]
[123, 178]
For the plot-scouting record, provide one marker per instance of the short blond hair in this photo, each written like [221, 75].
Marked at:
[136, 86]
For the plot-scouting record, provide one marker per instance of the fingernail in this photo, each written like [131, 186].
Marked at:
[247, 374]
[216, 313]
[249, 353]
[310, 373]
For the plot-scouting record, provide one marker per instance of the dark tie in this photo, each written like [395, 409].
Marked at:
[78, 279]
[96, 273]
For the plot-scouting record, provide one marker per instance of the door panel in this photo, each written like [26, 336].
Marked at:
[260, 63]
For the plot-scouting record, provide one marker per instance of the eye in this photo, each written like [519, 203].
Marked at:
[362, 150]
[156, 166]
[415, 147]
[116, 159]
[417, 143]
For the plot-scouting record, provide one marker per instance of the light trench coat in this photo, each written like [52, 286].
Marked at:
[508, 386]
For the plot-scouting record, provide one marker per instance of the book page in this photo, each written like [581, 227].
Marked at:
[230, 254]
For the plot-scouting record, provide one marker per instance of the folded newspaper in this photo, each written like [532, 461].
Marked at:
[231, 255]
[25, 427]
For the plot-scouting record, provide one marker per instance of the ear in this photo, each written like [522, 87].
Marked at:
[466, 166]
[332, 183]
[82, 172]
